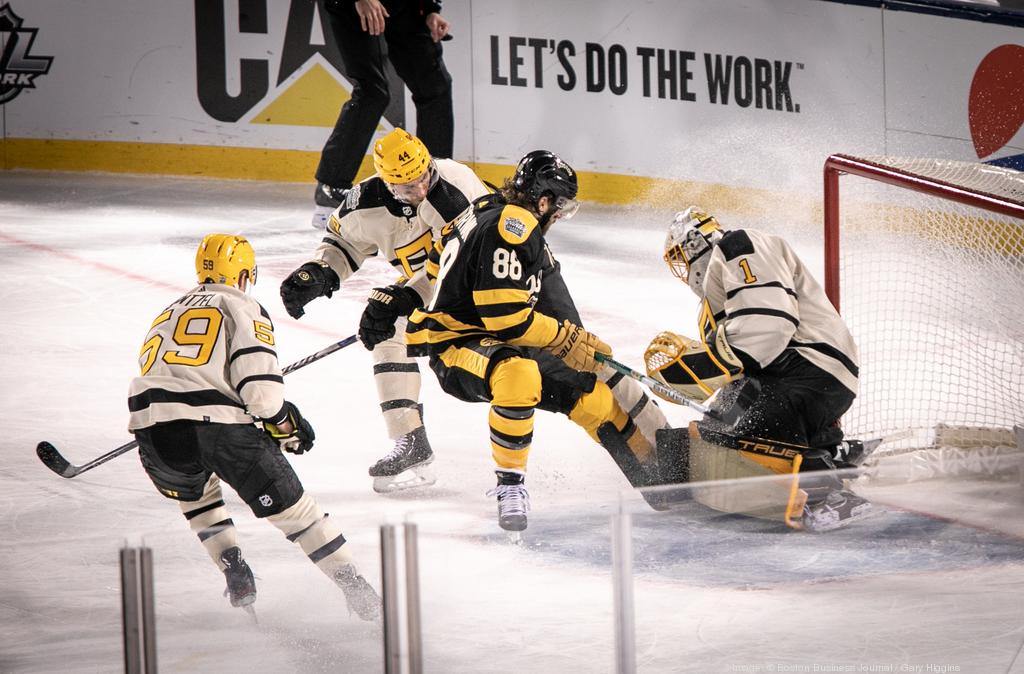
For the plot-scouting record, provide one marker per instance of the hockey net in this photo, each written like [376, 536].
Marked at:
[925, 260]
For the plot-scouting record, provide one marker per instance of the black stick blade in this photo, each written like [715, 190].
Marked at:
[53, 460]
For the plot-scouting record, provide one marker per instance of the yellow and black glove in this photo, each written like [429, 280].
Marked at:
[577, 347]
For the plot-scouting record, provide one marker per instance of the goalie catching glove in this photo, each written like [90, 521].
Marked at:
[305, 284]
[577, 347]
[297, 440]
[695, 369]
[383, 308]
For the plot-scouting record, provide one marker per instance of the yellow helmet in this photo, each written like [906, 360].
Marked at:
[222, 258]
[400, 157]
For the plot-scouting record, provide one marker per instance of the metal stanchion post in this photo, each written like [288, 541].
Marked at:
[412, 599]
[622, 584]
[138, 619]
[392, 588]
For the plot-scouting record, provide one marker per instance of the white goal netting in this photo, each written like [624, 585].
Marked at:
[933, 291]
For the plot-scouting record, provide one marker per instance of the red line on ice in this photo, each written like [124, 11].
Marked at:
[49, 250]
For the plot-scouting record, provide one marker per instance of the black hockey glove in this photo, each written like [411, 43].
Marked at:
[383, 308]
[305, 284]
[301, 437]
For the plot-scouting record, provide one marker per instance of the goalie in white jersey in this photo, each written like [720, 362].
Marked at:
[209, 406]
[396, 214]
[775, 354]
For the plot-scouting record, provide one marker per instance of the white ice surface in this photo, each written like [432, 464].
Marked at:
[87, 261]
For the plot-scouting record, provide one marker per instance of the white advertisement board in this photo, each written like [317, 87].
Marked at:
[751, 94]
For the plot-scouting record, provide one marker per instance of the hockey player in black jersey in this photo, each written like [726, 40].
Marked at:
[209, 407]
[777, 357]
[489, 340]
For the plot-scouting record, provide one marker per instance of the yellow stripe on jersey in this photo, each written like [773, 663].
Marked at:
[507, 321]
[466, 359]
[435, 328]
[515, 224]
[501, 296]
[541, 332]
[161, 318]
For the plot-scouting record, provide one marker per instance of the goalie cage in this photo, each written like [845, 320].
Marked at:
[924, 258]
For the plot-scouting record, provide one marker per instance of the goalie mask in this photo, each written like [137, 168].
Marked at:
[691, 237]
[226, 258]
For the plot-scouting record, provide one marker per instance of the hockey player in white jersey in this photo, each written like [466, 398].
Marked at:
[209, 407]
[775, 353]
[395, 214]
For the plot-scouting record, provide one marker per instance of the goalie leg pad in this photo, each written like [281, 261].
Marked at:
[772, 500]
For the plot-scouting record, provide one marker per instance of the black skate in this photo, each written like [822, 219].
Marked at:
[406, 465]
[327, 199]
[513, 501]
[852, 453]
[360, 596]
[840, 507]
[241, 589]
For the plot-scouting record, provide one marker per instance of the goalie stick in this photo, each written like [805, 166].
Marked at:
[53, 459]
[734, 440]
[658, 387]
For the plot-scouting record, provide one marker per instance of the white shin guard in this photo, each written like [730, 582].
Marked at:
[398, 384]
[641, 408]
[319, 537]
[208, 518]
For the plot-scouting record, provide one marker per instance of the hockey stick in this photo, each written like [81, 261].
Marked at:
[53, 459]
[656, 386]
[736, 441]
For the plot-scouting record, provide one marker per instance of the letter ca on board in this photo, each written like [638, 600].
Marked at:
[212, 26]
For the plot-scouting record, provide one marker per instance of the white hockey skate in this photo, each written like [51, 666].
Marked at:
[840, 508]
[360, 596]
[326, 199]
[513, 502]
[406, 466]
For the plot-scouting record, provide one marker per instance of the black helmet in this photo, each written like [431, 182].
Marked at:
[542, 172]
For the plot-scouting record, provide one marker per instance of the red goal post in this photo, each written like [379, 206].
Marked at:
[924, 258]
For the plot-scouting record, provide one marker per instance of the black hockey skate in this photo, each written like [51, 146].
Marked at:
[327, 199]
[513, 501]
[852, 453]
[840, 507]
[360, 596]
[406, 465]
[241, 589]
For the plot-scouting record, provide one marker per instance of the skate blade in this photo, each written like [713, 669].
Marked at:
[251, 610]
[419, 476]
[321, 216]
[821, 528]
[514, 537]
